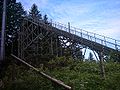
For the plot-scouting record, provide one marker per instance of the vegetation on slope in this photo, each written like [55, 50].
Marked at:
[80, 75]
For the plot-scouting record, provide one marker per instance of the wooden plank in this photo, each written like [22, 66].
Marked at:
[43, 74]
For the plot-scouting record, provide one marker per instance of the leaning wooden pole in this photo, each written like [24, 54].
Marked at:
[2, 47]
[58, 82]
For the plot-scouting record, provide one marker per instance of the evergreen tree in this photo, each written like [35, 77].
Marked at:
[90, 56]
[11, 1]
[1, 9]
[14, 13]
[113, 56]
[39, 16]
[34, 12]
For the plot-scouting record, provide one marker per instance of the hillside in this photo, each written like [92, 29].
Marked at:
[80, 75]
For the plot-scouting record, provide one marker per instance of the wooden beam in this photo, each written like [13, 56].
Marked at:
[58, 82]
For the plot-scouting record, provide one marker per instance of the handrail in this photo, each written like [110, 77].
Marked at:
[58, 82]
[109, 42]
[83, 30]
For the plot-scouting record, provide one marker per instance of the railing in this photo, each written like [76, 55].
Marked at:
[103, 40]
[53, 80]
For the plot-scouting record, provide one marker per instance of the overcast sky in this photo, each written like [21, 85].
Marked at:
[99, 16]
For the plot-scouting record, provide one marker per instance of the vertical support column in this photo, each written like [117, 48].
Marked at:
[95, 55]
[20, 41]
[18, 46]
[37, 49]
[61, 52]
[41, 43]
[22, 52]
[37, 44]
[84, 53]
[116, 45]
[41, 48]
[51, 46]
[22, 32]
[56, 46]
[102, 68]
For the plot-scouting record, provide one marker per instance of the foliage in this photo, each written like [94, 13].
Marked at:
[86, 76]
[114, 56]
[14, 20]
[14, 13]
[25, 79]
[80, 75]
[59, 62]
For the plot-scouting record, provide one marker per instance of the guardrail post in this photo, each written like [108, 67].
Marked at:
[88, 35]
[55, 24]
[95, 37]
[51, 22]
[116, 45]
[81, 32]
[104, 40]
[69, 26]
[75, 31]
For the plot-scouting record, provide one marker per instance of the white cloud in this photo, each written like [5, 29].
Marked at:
[101, 17]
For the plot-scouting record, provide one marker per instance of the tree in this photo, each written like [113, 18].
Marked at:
[90, 56]
[14, 13]
[114, 56]
[1, 9]
[34, 12]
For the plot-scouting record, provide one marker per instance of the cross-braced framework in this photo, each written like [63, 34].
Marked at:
[40, 39]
